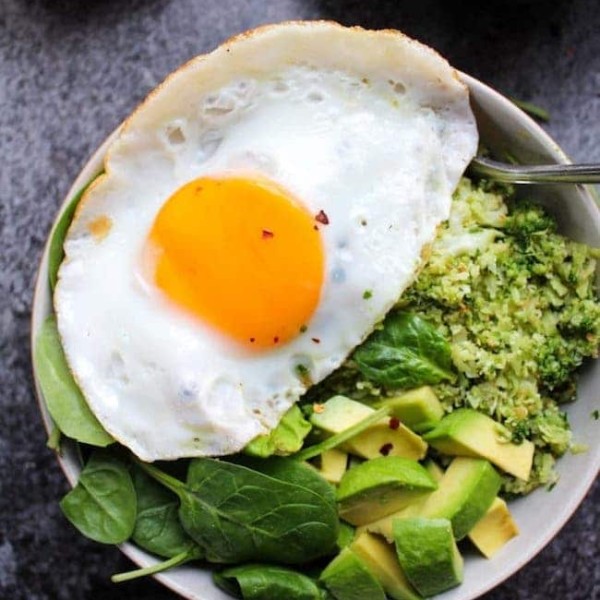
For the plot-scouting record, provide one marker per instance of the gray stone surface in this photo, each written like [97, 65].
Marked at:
[71, 70]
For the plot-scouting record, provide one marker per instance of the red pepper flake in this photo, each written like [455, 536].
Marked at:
[394, 423]
[275, 340]
[315, 228]
[266, 234]
[322, 218]
[386, 449]
[316, 340]
[252, 340]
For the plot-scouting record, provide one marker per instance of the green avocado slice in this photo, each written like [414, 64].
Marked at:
[347, 578]
[466, 432]
[380, 558]
[380, 487]
[465, 492]
[418, 409]
[428, 554]
[494, 529]
[386, 437]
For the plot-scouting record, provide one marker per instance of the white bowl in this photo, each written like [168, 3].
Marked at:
[503, 127]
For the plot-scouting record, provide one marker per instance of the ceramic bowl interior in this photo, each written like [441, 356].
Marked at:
[503, 128]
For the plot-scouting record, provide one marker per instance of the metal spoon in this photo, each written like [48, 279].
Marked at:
[484, 167]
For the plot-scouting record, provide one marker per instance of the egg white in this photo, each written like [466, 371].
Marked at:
[372, 128]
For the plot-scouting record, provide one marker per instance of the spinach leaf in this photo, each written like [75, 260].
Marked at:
[294, 472]
[103, 503]
[55, 250]
[54, 439]
[64, 399]
[285, 439]
[157, 526]
[266, 582]
[408, 352]
[192, 553]
[237, 514]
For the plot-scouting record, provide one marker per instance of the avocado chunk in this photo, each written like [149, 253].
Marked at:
[345, 536]
[380, 558]
[466, 432]
[413, 508]
[418, 409]
[380, 487]
[464, 494]
[494, 529]
[333, 465]
[347, 578]
[434, 469]
[428, 554]
[386, 438]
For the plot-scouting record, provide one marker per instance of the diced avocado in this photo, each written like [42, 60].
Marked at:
[333, 465]
[339, 413]
[466, 432]
[494, 529]
[380, 487]
[418, 409]
[382, 440]
[434, 469]
[464, 494]
[380, 558]
[346, 534]
[354, 461]
[347, 578]
[413, 508]
[428, 554]
[386, 438]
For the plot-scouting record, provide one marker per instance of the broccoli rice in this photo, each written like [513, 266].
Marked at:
[518, 304]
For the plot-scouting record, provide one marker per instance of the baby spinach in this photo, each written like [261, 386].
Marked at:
[293, 472]
[237, 514]
[54, 439]
[266, 582]
[103, 503]
[56, 252]
[64, 399]
[285, 439]
[406, 353]
[157, 526]
[192, 553]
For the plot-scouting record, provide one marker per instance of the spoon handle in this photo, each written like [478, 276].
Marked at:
[497, 171]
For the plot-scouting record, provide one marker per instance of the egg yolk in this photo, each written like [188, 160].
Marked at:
[242, 254]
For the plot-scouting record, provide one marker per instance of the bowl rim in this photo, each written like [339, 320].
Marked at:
[42, 301]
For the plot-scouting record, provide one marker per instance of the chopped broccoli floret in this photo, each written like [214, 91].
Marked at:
[518, 303]
[526, 219]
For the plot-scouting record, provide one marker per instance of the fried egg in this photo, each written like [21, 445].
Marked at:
[259, 214]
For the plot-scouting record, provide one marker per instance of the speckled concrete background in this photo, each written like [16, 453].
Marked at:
[70, 71]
